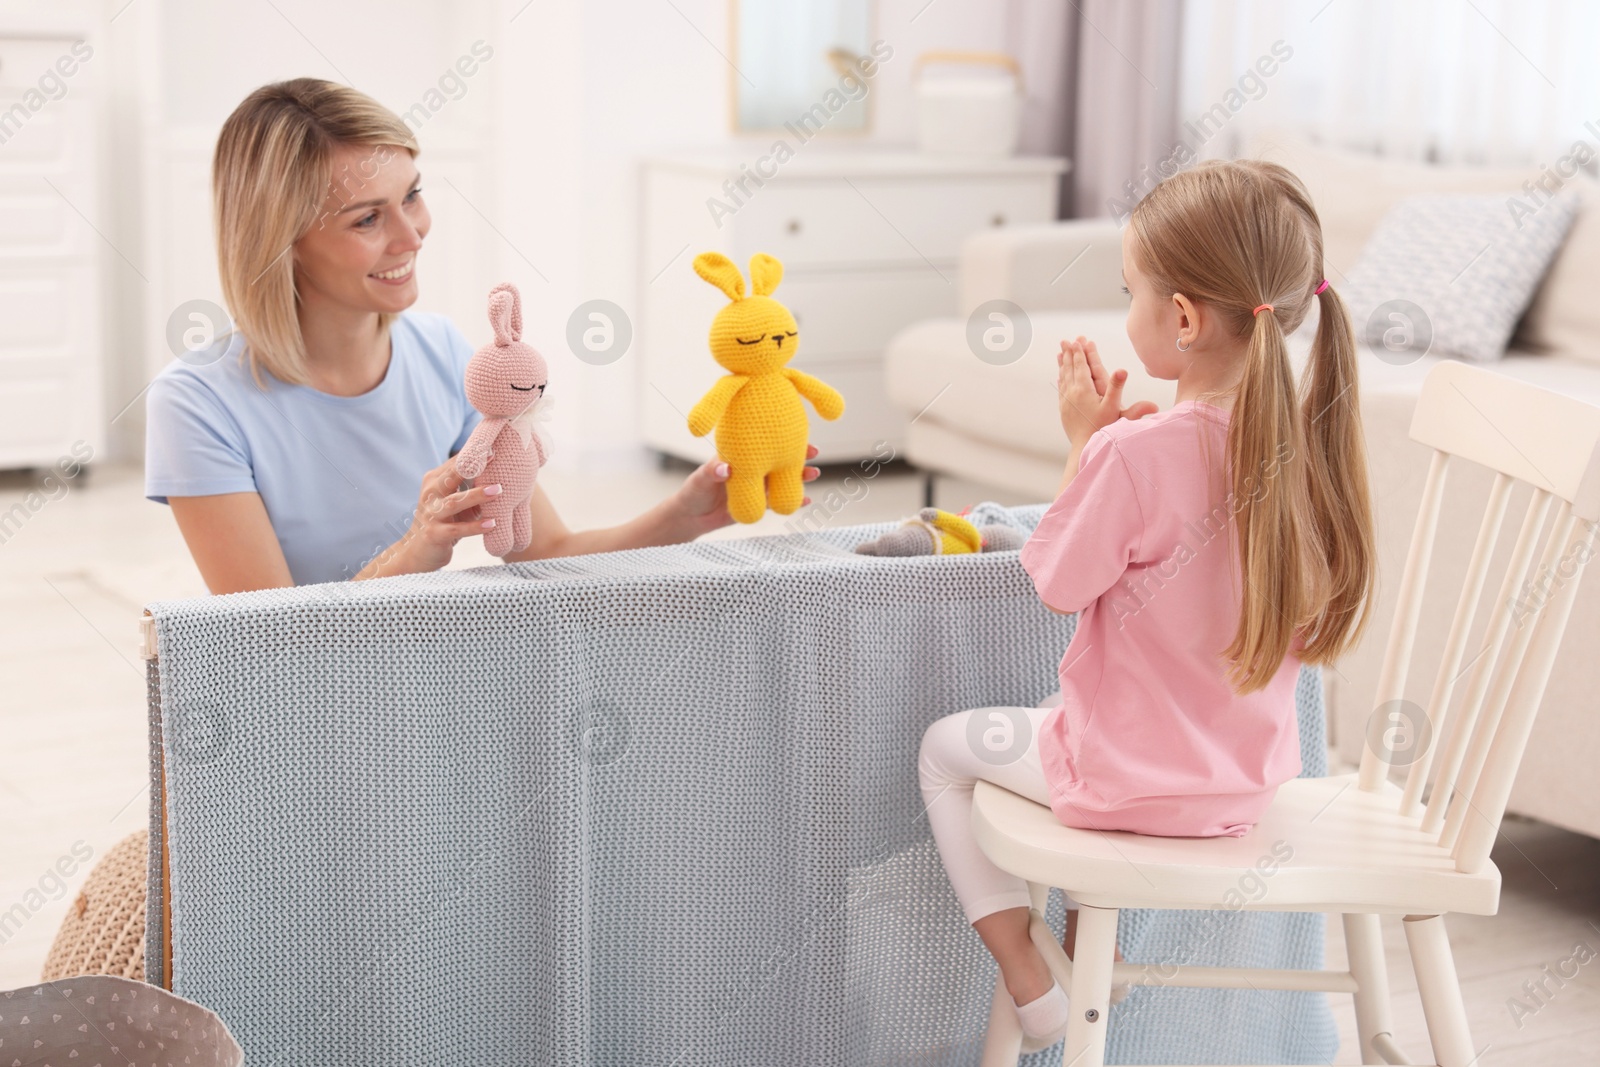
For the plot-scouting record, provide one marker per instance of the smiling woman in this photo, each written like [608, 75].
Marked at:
[294, 449]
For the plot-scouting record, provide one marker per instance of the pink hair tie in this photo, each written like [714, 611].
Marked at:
[1320, 287]
[1263, 307]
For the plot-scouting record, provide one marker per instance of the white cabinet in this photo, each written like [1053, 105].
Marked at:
[49, 253]
[869, 243]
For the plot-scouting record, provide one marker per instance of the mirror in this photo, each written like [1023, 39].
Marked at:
[788, 56]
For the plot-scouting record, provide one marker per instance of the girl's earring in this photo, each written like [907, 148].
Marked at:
[1183, 347]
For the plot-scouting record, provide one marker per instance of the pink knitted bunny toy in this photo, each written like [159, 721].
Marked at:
[505, 381]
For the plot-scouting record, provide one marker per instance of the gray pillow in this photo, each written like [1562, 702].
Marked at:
[1451, 275]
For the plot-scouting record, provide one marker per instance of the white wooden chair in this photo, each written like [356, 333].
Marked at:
[1363, 845]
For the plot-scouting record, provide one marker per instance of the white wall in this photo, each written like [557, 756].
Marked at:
[531, 176]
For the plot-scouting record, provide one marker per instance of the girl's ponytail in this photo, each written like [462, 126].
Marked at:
[1336, 478]
[1279, 576]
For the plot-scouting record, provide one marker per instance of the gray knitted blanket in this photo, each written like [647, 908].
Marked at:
[649, 807]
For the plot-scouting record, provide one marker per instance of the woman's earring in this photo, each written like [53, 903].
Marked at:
[1183, 347]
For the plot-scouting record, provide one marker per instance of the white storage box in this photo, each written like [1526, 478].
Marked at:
[973, 106]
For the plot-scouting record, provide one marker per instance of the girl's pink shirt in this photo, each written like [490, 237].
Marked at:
[1149, 736]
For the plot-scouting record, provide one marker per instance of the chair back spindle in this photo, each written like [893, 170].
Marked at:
[1456, 645]
[1483, 667]
[1408, 609]
[1486, 806]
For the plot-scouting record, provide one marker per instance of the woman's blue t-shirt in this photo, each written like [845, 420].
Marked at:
[339, 475]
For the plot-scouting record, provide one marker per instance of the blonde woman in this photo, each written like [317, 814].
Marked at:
[315, 443]
[1211, 549]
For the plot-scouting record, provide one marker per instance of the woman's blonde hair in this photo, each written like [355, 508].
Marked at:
[1233, 236]
[270, 177]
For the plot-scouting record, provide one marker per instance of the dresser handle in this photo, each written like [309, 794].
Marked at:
[794, 226]
[997, 220]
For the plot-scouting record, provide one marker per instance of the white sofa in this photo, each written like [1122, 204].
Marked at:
[997, 425]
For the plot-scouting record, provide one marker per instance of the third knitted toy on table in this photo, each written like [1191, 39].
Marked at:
[761, 425]
[939, 533]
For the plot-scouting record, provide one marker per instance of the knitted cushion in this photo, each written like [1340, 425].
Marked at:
[103, 932]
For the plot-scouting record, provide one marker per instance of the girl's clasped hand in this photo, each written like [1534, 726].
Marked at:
[1088, 397]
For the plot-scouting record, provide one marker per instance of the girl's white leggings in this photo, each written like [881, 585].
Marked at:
[992, 744]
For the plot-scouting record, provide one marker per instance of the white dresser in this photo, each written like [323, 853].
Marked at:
[869, 243]
[49, 251]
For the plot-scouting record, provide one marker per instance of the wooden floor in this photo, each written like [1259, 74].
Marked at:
[1549, 917]
[74, 576]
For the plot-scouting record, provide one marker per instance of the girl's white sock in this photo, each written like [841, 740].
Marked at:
[1046, 1016]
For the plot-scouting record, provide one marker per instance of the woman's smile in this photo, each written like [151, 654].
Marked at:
[396, 275]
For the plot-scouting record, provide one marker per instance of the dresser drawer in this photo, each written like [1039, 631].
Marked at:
[48, 391]
[832, 222]
[52, 141]
[44, 319]
[852, 315]
[869, 418]
[24, 60]
[38, 221]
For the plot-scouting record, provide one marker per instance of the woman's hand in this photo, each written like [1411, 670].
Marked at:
[445, 514]
[702, 502]
[1087, 396]
[699, 506]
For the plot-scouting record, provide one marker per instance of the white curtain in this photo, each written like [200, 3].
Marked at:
[1102, 87]
[1452, 81]
[1039, 33]
[1125, 97]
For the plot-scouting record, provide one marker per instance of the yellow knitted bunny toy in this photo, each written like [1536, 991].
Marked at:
[761, 424]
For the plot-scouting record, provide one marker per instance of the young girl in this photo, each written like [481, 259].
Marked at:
[1211, 549]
